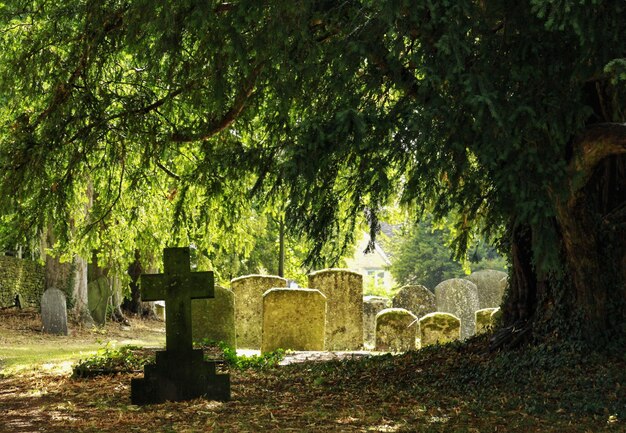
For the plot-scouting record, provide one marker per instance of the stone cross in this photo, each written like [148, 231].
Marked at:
[177, 286]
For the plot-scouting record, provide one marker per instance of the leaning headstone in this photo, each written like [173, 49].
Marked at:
[214, 319]
[293, 319]
[344, 314]
[372, 305]
[396, 330]
[248, 291]
[439, 328]
[98, 297]
[180, 372]
[415, 298]
[485, 319]
[54, 312]
[459, 297]
[490, 288]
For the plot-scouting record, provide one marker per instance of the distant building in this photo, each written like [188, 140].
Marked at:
[374, 265]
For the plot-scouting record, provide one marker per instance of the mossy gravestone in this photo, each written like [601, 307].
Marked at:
[249, 292]
[415, 298]
[344, 314]
[396, 330]
[439, 328]
[293, 319]
[54, 312]
[180, 372]
[490, 287]
[485, 319]
[214, 319]
[459, 297]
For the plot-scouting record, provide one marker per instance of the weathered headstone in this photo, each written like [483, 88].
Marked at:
[485, 319]
[293, 319]
[396, 330]
[344, 313]
[248, 291]
[54, 312]
[415, 298]
[98, 296]
[180, 372]
[490, 288]
[214, 319]
[459, 297]
[159, 310]
[372, 305]
[439, 328]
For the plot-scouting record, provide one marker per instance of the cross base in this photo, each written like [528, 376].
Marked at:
[179, 376]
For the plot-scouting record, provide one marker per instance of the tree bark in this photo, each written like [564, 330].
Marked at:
[586, 298]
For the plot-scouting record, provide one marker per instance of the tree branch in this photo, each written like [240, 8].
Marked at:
[218, 125]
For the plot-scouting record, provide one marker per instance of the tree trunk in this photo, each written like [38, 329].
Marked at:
[585, 299]
[134, 304]
[80, 292]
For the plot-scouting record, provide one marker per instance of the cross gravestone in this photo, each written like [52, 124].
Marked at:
[180, 372]
[54, 312]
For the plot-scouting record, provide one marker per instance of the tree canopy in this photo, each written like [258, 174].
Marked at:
[498, 111]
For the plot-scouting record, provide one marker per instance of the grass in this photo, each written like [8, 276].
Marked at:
[456, 388]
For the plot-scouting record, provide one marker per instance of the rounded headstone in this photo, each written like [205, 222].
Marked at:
[344, 314]
[485, 319]
[248, 291]
[396, 330]
[213, 319]
[293, 319]
[372, 305]
[415, 298]
[439, 328]
[459, 297]
[490, 287]
[54, 312]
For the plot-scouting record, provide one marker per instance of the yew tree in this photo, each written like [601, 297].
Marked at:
[507, 115]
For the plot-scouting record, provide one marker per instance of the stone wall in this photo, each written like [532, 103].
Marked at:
[22, 276]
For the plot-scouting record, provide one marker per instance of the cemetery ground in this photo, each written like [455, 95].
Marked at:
[453, 388]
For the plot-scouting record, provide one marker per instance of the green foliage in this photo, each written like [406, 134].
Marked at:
[240, 362]
[109, 360]
[422, 255]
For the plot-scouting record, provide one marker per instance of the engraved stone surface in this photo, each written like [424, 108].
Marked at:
[344, 312]
[459, 297]
[98, 296]
[293, 319]
[396, 330]
[180, 373]
[439, 328]
[248, 291]
[54, 312]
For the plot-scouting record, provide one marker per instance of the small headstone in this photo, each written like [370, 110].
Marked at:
[344, 314]
[293, 319]
[415, 298]
[54, 312]
[485, 320]
[180, 372]
[98, 298]
[248, 291]
[439, 328]
[490, 288]
[214, 319]
[459, 297]
[396, 330]
[372, 305]
[159, 310]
